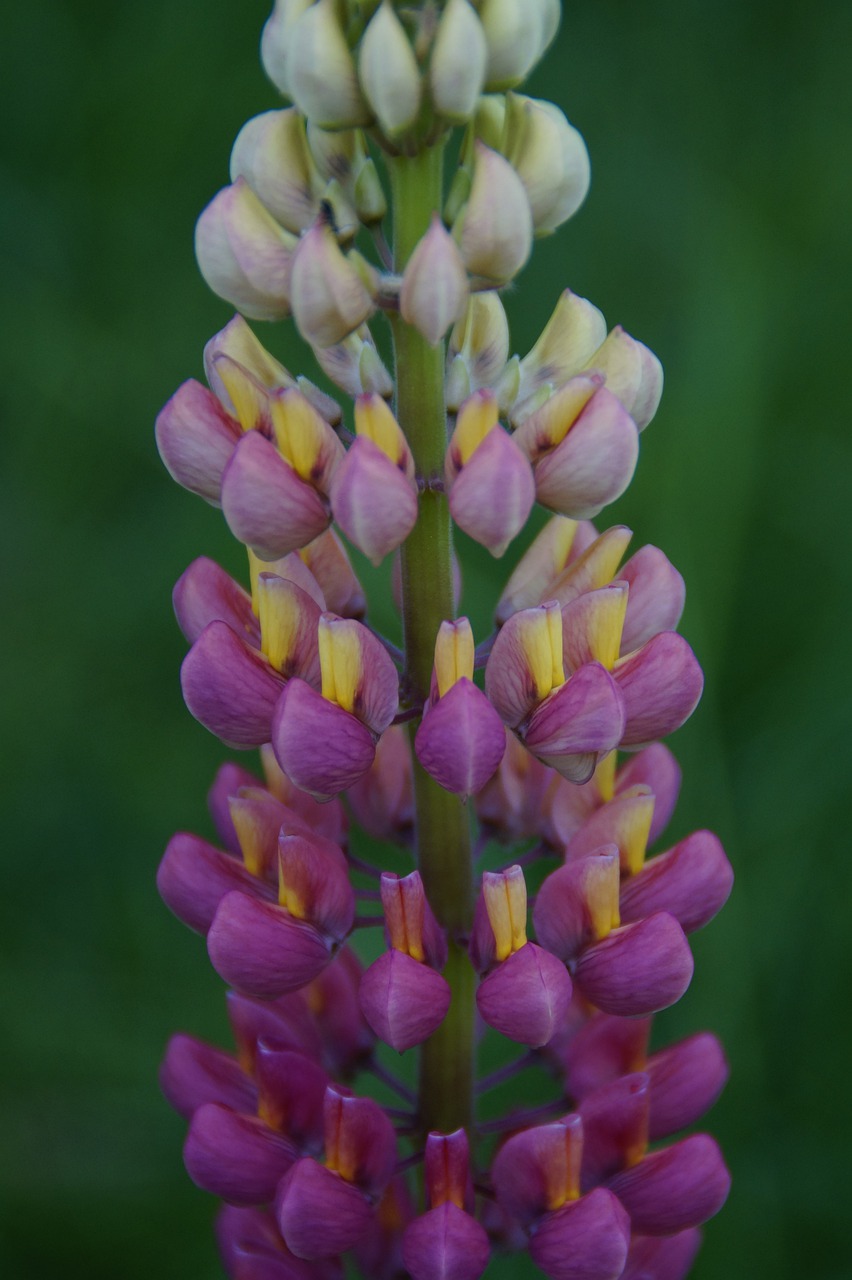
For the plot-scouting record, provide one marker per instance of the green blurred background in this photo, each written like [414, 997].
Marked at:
[716, 231]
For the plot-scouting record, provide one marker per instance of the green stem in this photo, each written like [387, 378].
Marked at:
[443, 829]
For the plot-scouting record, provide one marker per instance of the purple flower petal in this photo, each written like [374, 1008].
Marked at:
[445, 1244]
[193, 1073]
[661, 686]
[410, 922]
[656, 599]
[586, 1239]
[579, 721]
[260, 949]
[681, 1186]
[322, 748]
[314, 875]
[686, 1079]
[538, 1167]
[229, 687]
[624, 822]
[196, 438]
[692, 882]
[594, 463]
[228, 781]
[576, 903]
[526, 997]
[292, 1093]
[318, 1213]
[403, 1000]
[195, 876]
[235, 1157]
[496, 466]
[286, 1022]
[266, 504]
[373, 501]
[655, 767]
[662, 1258]
[603, 1049]
[359, 1140]
[615, 1127]
[638, 969]
[461, 739]
[204, 593]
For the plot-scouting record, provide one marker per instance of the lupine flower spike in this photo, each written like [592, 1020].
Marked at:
[415, 791]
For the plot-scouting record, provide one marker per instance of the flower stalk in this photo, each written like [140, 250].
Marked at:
[551, 751]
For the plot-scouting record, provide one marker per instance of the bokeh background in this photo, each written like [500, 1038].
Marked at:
[716, 231]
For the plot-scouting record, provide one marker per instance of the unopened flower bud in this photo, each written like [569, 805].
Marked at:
[329, 297]
[275, 41]
[549, 157]
[490, 120]
[632, 372]
[320, 71]
[368, 194]
[495, 228]
[572, 335]
[434, 285]
[459, 57]
[271, 153]
[478, 347]
[244, 255]
[517, 32]
[355, 365]
[388, 70]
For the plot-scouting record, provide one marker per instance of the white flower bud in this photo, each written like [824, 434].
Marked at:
[271, 153]
[478, 348]
[495, 228]
[355, 365]
[244, 255]
[550, 158]
[328, 294]
[569, 340]
[390, 76]
[275, 41]
[459, 57]
[490, 119]
[370, 202]
[321, 71]
[517, 32]
[434, 285]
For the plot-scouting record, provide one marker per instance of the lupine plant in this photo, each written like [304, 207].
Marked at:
[484, 804]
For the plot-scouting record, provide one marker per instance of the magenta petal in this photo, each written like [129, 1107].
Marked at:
[602, 1050]
[195, 876]
[531, 1164]
[681, 1186]
[229, 687]
[526, 997]
[686, 1079]
[654, 767]
[594, 463]
[403, 1000]
[562, 918]
[264, 1262]
[615, 1127]
[193, 1073]
[236, 1157]
[461, 739]
[229, 779]
[266, 504]
[586, 1239]
[579, 721]
[359, 1139]
[260, 949]
[662, 1258]
[445, 1244]
[315, 871]
[196, 437]
[374, 502]
[286, 1021]
[661, 686]
[496, 467]
[319, 1215]
[692, 882]
[638, 969]
[322, 748]
[656, 598]
[292, 1092]
[204, 593]
[236, 1224]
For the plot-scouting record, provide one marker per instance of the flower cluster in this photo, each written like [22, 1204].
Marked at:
[535, 752]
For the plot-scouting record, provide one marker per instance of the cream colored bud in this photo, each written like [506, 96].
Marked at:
[569, 340]
[481, 340]
[459, 57]
[275, 41]
[355, 365]
[458, 195]
[388, 70]
[490, 120]
[328, 294]
[457, 386]
[244, 255]
[434, 285]
[344, 219]
[321, 70]
[370, 202]
[517, 32]
[495, 228]
[337, 154]
[550, 158]
[271, 153]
